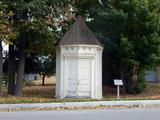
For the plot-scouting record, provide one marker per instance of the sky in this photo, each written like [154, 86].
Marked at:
[5, 46]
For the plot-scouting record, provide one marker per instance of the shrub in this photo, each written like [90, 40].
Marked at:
[28, 83]
[138, 86]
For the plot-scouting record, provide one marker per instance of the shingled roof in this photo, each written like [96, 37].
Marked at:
[79, 34]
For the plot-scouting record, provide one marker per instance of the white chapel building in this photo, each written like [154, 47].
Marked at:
[79, 63]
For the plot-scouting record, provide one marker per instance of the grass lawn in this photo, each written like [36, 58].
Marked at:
[41, 94]
[152, 92]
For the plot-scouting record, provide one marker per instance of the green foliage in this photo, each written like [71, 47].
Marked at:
[137, 86]
[40, 39]
[142, 84]
[28, 83]
[6, 33]
[82, 6]
[30, 24]
[45, 65]
[130, 32]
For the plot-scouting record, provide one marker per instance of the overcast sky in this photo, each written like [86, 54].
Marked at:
[5, 47]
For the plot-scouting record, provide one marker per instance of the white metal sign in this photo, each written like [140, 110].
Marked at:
[118, 82]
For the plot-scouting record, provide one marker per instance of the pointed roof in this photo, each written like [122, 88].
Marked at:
[79, 34]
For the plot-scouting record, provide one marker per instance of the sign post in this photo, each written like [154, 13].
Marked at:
[118, 82]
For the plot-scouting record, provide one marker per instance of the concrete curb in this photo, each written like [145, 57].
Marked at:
[80, 104]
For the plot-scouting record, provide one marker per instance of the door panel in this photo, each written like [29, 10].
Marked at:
[84, 77]
[72, 77]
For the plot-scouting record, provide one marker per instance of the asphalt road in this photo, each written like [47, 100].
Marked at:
[105, 114]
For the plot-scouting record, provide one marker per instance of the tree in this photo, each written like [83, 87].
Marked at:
[37, 23]
[11, 70]
[26, 38]
[36, 26]
[130, 33]
[45, 66]
[1, 69]
[6, 34]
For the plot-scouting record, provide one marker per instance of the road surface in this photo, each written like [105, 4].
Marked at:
[104, 114]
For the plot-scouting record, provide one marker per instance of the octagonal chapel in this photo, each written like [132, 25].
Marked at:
[79, 63]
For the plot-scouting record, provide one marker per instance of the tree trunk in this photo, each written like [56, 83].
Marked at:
[11, 72]
[43, 79]
[135, 77]
[20, 73]
[1, 69]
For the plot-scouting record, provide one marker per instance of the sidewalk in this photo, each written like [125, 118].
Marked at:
[80, 104]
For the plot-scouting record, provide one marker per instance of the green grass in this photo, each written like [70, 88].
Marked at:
[46, 94]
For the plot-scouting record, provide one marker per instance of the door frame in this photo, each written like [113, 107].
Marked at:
[91, 58]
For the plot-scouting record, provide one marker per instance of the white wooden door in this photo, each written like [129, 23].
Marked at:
[71, 70]
[84, 78]
[78, 78]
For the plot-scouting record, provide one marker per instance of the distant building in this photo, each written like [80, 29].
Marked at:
[153, 75]
[31, 76]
